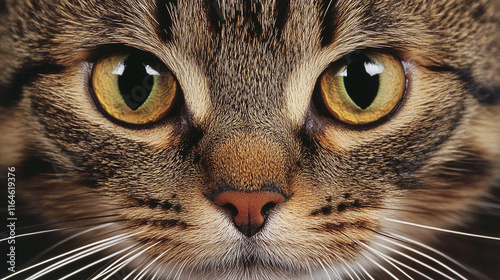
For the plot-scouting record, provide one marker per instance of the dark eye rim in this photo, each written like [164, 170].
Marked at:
[319, 108]
[178, 106]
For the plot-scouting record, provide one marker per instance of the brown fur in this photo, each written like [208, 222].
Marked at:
[248, 120]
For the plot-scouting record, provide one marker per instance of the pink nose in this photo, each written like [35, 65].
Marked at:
[249, 210]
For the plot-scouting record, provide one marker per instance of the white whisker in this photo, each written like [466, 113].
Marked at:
[80, 255]
[366, 272]
[408, 267]
[353, 271]
[114, 264]
[132, 272]
[65, 254]
[51, 230]
[171, 270]
[159, 267]
[35, 233]
[68, 239]
[127, 261]
[420, 262]
[422, 245]
[426, 256]
[163, 270]
[347, 272]
[403, 265]
[445, 230]
[96, 262]
[383, 256]
[324, 268]
[145, 269]
[181, 269]
[383, 268]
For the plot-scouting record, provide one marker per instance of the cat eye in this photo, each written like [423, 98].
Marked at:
[363, 87]
[135, 88]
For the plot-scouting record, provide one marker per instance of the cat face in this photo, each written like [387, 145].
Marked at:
[251, 140]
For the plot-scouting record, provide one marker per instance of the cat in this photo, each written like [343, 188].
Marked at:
[266, 139]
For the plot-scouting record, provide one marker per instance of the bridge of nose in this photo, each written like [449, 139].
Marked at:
[248, 161]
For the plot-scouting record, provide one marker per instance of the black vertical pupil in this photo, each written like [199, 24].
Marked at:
[361, 87]
[135, 83]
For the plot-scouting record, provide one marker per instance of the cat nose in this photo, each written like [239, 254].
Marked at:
[249, 209]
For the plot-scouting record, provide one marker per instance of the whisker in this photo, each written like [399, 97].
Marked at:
[349, 267]
[132, 272]
[163, 268]
[383, 256]
[368, 249]
[327, 8]
[352, 270]
[324, 268]
[310, 270]
[366, 272]
[407, 266]
[419, 262]
[96, 262]
[157, 269]
[80, 255]
[445, 230]
[382, 267]
[337, 276]
[171, 270]
[181, 269]
[63, 222]
[113, 265]
[66, 240]
[190, 272]
[125, 263]
[347, 272]
[62, 229]
[396, 209]
[400, 240]
[144, 271]
[426, 256]
[424, 246]
[63, 255]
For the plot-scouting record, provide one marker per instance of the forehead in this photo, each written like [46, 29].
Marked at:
[246, 50]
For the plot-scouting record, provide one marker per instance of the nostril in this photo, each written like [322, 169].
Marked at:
[231, 208]
[267, 208]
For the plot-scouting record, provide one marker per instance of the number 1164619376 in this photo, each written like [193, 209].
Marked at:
[11, 190]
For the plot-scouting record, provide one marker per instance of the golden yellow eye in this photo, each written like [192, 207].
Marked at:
[134, 88]
[364, 88]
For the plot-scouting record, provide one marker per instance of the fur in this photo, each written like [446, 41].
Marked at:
[249, 118]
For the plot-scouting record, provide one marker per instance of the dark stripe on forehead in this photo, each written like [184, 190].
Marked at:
[165, 8]
[328, 21]
[214, 15]
[282, 13]
[243, 15]
[247, 16]
[251, 11]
